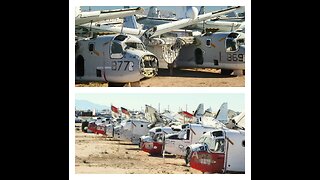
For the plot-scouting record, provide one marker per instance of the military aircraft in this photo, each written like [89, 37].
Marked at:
[220, 50]
[115, 59]
[123, 58]
[218, 151]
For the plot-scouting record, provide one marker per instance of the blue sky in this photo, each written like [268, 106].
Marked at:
[190, 101]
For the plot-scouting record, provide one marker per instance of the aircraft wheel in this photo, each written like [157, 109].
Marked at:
[140, 144]
[187, 157]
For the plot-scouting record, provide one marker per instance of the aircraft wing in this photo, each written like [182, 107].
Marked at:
[167, 27]
[86, 17]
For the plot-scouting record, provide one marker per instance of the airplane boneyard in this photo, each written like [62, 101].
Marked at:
[123, 58]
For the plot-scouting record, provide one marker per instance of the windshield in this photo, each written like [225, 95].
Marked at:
[240, 42]
[151, 134]
[219, 145]
[231, 45]
[138, 46]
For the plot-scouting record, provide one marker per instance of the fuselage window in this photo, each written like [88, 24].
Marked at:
[208, 42]
[91, 47]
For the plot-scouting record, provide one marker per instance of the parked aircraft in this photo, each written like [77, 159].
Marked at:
[131, 130]
[189, 134]
[152, 142]
[218, 151]
[115, 59]
[167, 48]
[220, 50]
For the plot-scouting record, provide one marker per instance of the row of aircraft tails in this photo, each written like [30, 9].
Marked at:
[127, 51]
[209, 142]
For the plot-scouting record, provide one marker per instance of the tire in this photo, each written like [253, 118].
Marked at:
[140, 144]
[187, 157]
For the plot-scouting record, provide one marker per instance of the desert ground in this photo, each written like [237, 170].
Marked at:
[185, 78]
[97, 154]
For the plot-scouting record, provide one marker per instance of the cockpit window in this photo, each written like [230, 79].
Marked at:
[120, 37]
[232, 43]
[240, 41]
[219, 145]
[151, 134]
[116, 48]
[133, 45]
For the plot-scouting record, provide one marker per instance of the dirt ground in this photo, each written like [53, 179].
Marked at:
[96, 154]
[186, 78]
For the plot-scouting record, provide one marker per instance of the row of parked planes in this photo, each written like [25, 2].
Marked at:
[123, 47]
[209, 143]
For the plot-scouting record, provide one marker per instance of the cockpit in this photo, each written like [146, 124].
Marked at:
[233, 41]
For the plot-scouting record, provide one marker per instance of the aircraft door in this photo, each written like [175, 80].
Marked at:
[80, 66]
[198, 54]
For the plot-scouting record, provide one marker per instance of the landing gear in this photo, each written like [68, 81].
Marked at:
[170, 67]
[187, 157]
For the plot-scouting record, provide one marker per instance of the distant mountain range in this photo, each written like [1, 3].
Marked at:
[85, 105]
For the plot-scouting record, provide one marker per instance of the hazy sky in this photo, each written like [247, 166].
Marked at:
[172, 8]
[137, 101]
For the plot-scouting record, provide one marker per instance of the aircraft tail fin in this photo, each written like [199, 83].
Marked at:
[130, 22]
[114, 111]
[201, 11]
[151, 114]
[199, 111]
[153, 12]
[222, 114]
[187, 12]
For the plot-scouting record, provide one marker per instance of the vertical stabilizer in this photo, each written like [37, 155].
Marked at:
[222, 114]
[154, 12]
[130, 22]
[201, 11]
[199, 111]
